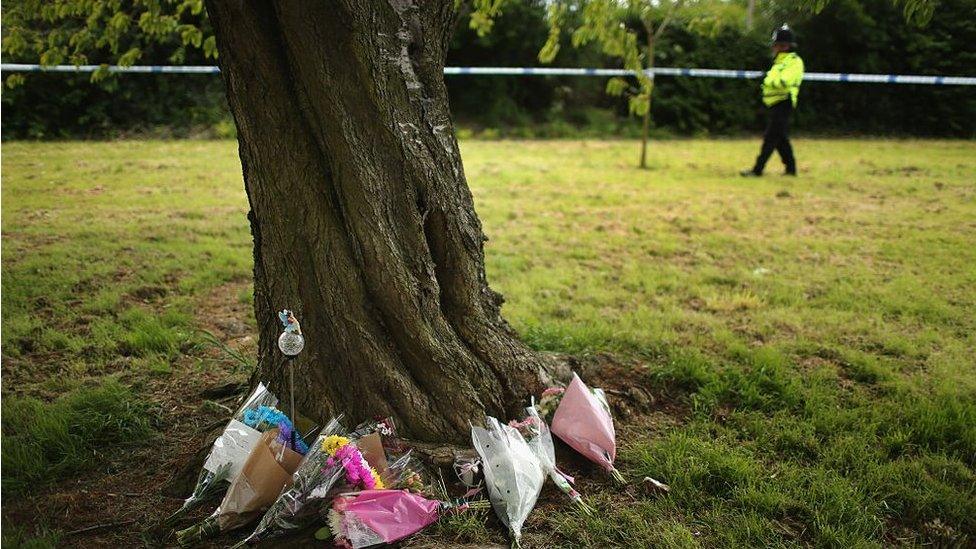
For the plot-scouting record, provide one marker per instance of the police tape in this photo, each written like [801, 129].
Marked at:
[544, 71]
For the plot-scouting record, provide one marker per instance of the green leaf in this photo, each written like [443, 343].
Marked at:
[323, 533]
[616, 86]
[119, 22]
[15, 42]
[638, 104]
[15, 80]
[556, 13]
[100, 74]
[191, 35]
[52, 56]
[130, 57]
[483, 15]
[178, 56]
[210, 47]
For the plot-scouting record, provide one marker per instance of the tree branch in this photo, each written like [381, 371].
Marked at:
[667, 19]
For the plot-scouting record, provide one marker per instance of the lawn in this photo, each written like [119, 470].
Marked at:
[808, 343]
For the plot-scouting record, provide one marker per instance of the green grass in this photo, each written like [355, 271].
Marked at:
[47, 441]
[23, 539]
[820, 330]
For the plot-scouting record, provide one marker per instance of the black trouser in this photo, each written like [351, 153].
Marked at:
[777, 137]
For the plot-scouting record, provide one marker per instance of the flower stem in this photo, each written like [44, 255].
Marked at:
[617, 476]
[586, 509]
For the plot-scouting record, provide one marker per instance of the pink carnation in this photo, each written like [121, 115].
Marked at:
[357, 470]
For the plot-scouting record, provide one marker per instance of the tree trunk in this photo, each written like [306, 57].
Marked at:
[362, 220]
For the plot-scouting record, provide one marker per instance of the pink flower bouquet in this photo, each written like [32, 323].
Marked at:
[374, 517]
[582, 420]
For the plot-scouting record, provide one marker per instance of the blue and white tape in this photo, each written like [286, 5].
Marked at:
[546, 71]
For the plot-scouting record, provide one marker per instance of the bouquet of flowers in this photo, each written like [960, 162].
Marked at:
[582, 420]
[513, 474]
[228, 453]
[374, 517]
[333, 462]
[267, 471]
[385, 452]
[310, 483]
[536, 434]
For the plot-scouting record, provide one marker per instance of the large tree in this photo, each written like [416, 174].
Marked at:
[362, 220]
[361, 216]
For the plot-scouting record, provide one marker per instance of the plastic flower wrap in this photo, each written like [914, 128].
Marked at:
[228, 453]
[468, 471]
[374, 517]
[537, 436]
[334, 463]
[385, 452]
[266, 473]
[582, 420]
[513, 474]
[312, 481]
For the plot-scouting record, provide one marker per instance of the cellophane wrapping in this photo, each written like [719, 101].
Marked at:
[583, 421]
[267, 472]
[538, 437]
[228, 453]
[297, 506]
[513, 474]
[373, 517]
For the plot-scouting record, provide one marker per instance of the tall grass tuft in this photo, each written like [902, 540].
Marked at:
[43, 441]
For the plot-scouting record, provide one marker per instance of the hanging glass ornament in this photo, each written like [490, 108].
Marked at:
[291, 341]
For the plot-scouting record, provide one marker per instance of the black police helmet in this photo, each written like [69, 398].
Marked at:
[784, 35]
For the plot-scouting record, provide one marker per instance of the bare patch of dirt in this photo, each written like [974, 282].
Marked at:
[148, 293]
[900, 170]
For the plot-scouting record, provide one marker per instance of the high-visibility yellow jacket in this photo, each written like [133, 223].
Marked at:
[783, 79]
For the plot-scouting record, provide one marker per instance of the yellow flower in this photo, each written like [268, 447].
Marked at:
[376, 479]
[332, 443]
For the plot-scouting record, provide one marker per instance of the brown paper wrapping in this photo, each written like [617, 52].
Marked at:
[261, 481]
[371, 446]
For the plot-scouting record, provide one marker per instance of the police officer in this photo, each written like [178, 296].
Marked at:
[780, 88]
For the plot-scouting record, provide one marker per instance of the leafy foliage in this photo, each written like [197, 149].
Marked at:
[617, 27]
[844, 35]
[105, 32]
[629, 32]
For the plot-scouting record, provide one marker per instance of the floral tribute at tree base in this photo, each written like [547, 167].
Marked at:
[364, 488]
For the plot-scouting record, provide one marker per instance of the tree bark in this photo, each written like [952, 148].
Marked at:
[362, 220]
